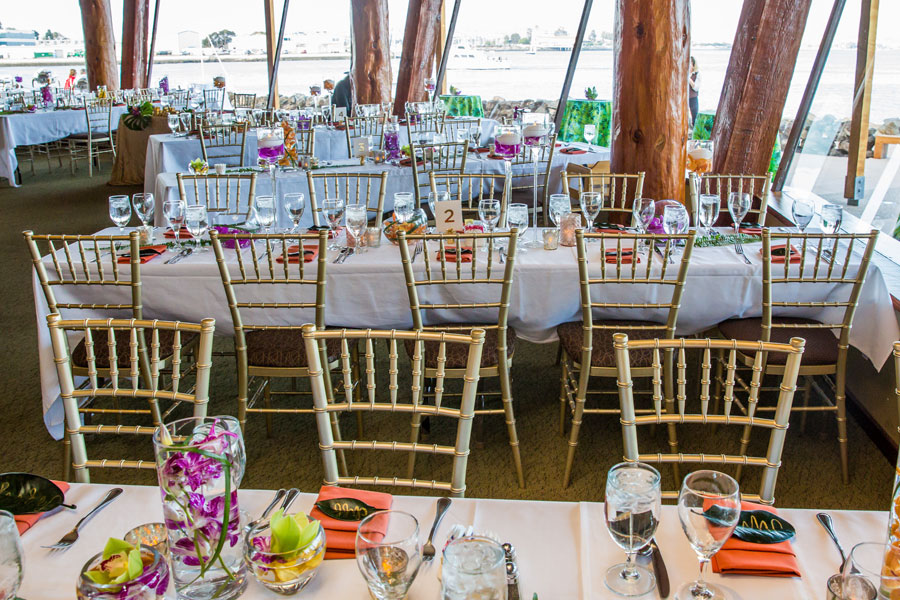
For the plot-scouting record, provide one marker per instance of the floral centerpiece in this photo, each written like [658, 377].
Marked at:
[290, 157]
[139, 116]
[124, 572]
[198, 166]
[200, 463]
[285, 551]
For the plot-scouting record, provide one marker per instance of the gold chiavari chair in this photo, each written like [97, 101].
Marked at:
[364, 127]
[587, 345]
[179, 98]
[419, 125]
[223, 144]
[523, 179]
[98, 139]
[214, 99]
[370, 110]
[468, 346]
[471, 188]
[243, 100]
[223, 195]
[792, 354]
[825, 261]
[447, 157]
[453, 128]
[267, 351]
[477, 288]
[306, 142]
[121, 339]
[618, 189]
[352, 187]
[758, 186]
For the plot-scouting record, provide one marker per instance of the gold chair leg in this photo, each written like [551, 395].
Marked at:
[563, 395]
[573, 438]
[669, 391]
[840, 400]
[506, 394]
[267, 398]
[336, 433]
[354, 362]
[807, 387]
[67, 457]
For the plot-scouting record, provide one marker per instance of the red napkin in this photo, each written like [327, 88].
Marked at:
[340, 536]
[407, 162]
[751, 230]
[479, 150]
[768, 560]
[627, 257]
[465, 254]
[148, 253]
[572, 151]
[184, 234]
[609, 230]
[310, 253]
[795, 255]
[26, 522]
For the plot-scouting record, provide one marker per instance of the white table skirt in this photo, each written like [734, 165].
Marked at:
[563, 548]
[369, 290]
[38, 128]
[400, 179]
[167, 153]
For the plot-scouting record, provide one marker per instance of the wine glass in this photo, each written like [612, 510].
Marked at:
[120, 211]
[172, 119]
[489, 213]
[333, 209]
[294, 204]
[185, 119]
[197, 221]
[632, 506]
[709, 506]
[517, 217]
[643, 210]
[590, 133]
[738, 206]
[11, 557]
[357, 218]
[173, 210]
[832, 215]
[560, 205]
[144, 206]
[803, 210]
[388, 553]
[403, 206]
[710, 205]
[675, 221]
[430, 87]
[591, 205]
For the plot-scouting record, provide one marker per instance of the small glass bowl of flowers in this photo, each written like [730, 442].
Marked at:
[285, 551]
[124, 572]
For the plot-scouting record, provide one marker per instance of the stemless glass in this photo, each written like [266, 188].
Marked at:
[404, 205]
[294, 204]
[803, 210]
[560, 205]
[265, 211]
[120, 211]
[709, 506]
[590, 132]
[591, 205]
[144, 207]
[832, 215]
[11, 557]
[333, 209]
[173, 210]
[197, 222]
[710, 205]
[357, 219]
[738, 207]
[632, 505]
[388, 553]
[473, 567]
[517, 217]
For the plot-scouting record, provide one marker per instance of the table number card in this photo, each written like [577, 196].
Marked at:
[359, 146]
[448, 216]
[340, 113]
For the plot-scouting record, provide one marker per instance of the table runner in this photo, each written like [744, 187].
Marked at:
[563, 548]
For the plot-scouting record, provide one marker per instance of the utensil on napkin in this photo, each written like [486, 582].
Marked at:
[184, 234]
[310, 253]
[779, 254]
[748, 558]
[340, 534]
[147, 253]
[572, 151]
[465, 254]
[627, 257]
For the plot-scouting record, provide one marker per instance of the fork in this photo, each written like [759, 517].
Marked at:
[175, 258]
[72, 537]
[278, 496]
[350, 252]
[417, 250]
[340, 255]
[739, 248]
[428, 549]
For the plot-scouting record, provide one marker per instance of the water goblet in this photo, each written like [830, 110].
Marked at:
[489, 213]
[120, 211]
[589, 133]
[144, 207]
[643, 210]
[11, 557]
[560, 205]
[738, 207]
[185, 119]
[294, 204]
[333, 209]
[197, 222]
[517, 217]
[591, 205]
[710, 206]
[709, 507]
[404, 205]
[265, 211]
[832, 215]
[632, 506]
[172, 119]
[173, 210]
[803, 210]
[357, 218]
[388, 553]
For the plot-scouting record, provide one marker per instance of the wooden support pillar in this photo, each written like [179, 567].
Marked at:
[135, 22]
[370, 67]
[417, 60]
[650, 93]
[271, 44]
[99, 44]
[855, 184]
[756, 84]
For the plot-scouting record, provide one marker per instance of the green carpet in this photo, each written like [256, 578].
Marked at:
[62, 203]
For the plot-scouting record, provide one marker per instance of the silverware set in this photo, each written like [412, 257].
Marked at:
[184, 252]
[72, 537]
[343, 255]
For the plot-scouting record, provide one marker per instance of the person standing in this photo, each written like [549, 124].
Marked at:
[343, 94]
[70, 81]
[694, 91]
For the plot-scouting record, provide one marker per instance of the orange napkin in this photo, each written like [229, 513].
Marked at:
[310, 253]
[184, 234]
[744, 558]
[26, 522]
[751, 230]
[573, 151]
[479, 150]
[340, 536]
[148, 253]
[627, 257]
[795, 254]
[465, 254]
[407, 162]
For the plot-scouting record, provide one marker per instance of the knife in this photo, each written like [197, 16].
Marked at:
[659, 569]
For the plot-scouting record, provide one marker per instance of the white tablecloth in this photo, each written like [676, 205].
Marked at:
[369, 290]
[38, 128]
[167, 153]
[563, 548]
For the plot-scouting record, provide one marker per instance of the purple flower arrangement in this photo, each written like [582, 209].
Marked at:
[229, 243]
[164, 84]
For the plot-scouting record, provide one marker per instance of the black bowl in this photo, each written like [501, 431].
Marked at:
[26, 494]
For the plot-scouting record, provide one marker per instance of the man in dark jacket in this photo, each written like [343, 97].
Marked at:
[343, 95]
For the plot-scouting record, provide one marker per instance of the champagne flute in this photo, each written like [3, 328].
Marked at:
[591, 205]
[11, 557]
[590, 132]
[197, 221]
[710, 205]
[143, 205]
[803, 211]
[173, 210]
[120, 212]
[709, 507]
[388, 553]
[633, 503]
[738, 207]
[517, 217]
[333, 209]
[357, 219]
[403, 206]
[560, 205]
[294, 204]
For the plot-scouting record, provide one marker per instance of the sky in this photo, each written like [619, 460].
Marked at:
[712, 20]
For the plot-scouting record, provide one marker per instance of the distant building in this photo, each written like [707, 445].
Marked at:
[17, 37]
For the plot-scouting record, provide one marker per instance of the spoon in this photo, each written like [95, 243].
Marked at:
[828, 524]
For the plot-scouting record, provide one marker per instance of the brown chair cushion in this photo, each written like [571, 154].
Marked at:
[821, 345]
[458, 354]
[571, 336]
[282, 348]
[97, 136]
[123, 350]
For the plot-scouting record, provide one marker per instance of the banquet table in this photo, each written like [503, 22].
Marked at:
[563, 548]
[368, 290]
[40, 127]
[169, 154]
[400, 179]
